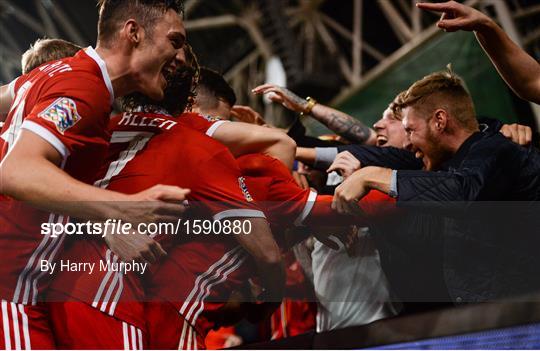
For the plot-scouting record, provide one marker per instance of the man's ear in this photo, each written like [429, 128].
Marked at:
[133, 32]
[440, 120]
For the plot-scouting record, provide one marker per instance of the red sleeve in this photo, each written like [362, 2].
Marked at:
[72, 113]
[288, 203]
[204, 124]
[283, 201]
[322, 215]
[374, 204]
[222, 190]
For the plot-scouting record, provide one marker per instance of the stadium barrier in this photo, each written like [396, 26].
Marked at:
[495, 325]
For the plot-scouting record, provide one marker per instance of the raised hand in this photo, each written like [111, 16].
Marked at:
[456, 16]
[282, 96]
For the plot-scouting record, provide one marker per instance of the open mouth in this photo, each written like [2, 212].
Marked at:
[381, 140]
[166, 72]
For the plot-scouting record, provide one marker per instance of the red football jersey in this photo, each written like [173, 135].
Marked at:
[283, 201]
[201, 123]
[67, 103]
[276, 191]
[211, 269]
[272, 184]
[149, 149]
[286, 204]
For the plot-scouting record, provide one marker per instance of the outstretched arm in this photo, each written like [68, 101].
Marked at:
[243, 138]
[520, 71]
[358, 185]
[337, 121]
[344, 125]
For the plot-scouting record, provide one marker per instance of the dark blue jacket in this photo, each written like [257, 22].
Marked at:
[481, 211]
[489, 197]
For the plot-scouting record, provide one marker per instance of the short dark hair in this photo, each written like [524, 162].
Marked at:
[212, 88]
[45, 50]
[179, 93]
[113, 13]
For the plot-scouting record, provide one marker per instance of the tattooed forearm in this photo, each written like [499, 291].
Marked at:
[342, 124]
[349, 128]
[295, 99]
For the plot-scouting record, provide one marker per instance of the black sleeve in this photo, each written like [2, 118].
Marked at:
[486, 173]
[447, 186]
[389, 157]
[489, 125]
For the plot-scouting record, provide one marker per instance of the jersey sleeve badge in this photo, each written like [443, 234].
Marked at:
[243, 187]
[62, 113]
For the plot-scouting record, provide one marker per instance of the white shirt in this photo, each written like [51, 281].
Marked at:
[351, 291]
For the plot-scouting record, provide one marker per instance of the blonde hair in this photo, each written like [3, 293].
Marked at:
[443, 89]
[45, 50]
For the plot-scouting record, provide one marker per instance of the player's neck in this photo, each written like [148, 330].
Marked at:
[118, 69]
[204, 111]
[154, 109]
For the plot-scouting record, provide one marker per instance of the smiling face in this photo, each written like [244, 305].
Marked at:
[159, 55]
[423, 139]
[390, 131]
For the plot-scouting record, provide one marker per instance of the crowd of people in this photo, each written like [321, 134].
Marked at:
[432, 207]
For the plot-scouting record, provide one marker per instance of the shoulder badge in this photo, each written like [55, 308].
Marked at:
[63, 113]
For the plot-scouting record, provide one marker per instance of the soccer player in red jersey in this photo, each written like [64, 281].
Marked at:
[214, 94]
[149, 148]
[209, 271]
[40, 52]
[211, 274]
[265, 174]
[55, 139]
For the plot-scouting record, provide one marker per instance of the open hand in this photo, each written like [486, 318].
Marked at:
[282, 96]
[456, 16]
